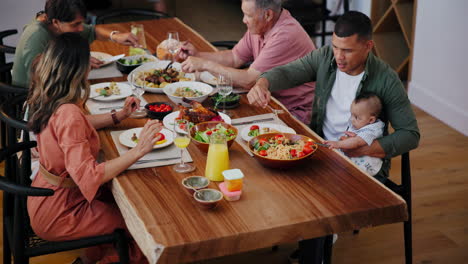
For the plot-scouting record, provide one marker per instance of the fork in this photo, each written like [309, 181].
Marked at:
[275, 111]
[153, 160]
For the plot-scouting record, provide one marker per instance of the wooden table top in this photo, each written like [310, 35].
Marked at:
[327, 195]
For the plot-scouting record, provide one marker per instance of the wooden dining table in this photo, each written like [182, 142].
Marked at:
[326, 195]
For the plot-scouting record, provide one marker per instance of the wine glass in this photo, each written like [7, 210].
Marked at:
[138, 91]
[182, 140]
[224, 86]
[173, 44]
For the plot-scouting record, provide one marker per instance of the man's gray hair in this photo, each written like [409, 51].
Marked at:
[274, 5]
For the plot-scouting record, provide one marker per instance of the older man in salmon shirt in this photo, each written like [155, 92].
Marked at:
[273, 38]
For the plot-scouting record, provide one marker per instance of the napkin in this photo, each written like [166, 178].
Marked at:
[108, 71]
[170, 151]
[241, 123]
[102, 107]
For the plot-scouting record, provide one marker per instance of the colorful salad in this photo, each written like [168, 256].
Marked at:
[204, 136]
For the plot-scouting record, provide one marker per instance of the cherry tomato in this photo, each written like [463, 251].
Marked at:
[279, 136]
[300, 154]
[182, 126]
[263, 152]
[293, 152]
[307, 149]
[309, 143]
[262, 141]
[209, 132]
[254, 127]
[161, 136]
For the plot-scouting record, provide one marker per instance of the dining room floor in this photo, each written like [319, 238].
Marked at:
[439, 174]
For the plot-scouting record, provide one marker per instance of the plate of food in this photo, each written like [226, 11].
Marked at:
[154, 76]
[208, 78]
[129, 138]
[102, 56]
[110, 91]
[195, 114]
[249, 132]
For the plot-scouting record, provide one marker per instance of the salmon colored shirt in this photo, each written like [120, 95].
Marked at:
[285, 42]
[68, 147]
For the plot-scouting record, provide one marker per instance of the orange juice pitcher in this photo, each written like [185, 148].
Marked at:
[218, 158]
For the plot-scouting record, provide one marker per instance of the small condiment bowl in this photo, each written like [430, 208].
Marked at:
[208, 198]
[193, 183]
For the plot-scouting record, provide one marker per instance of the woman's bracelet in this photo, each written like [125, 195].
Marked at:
[114, 117]
[111, 34]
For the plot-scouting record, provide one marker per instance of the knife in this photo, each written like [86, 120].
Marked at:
[253, 121]
[321, 144]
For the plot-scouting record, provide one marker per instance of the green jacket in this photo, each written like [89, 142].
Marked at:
[378, 78]
[33, 41]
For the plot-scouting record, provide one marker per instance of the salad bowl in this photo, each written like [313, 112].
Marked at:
[200, 133]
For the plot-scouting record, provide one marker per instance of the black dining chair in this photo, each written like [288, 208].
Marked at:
[5, 68]
[9, 91]
[404, 190]
[19, 240]
[126, 15]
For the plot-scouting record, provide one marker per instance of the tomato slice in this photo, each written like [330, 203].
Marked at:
[262, 152]
[209, 132]
[254, 127]
[293, 152]
[307, 149]
[161, 136]
[262, 141]
[300, 154]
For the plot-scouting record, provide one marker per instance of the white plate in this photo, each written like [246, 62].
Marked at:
[208, 78]
[283, 129]
[168, 121]
[159, 65]
[125, 91]
[125, 138]
[101, 56]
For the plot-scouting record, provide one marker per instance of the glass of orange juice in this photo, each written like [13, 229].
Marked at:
[182, 140]
[218, 158]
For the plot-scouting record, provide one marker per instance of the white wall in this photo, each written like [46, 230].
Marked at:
[439, 82]
[14, 14]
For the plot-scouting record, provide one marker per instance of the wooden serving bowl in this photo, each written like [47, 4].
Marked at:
[280, 163]
[204, 126]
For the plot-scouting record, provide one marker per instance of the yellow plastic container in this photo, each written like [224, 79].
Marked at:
[233, 179]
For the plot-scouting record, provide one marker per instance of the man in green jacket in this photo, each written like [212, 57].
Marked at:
[343, 71]
[60, 16]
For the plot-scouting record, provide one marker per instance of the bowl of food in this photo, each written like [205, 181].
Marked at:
[127, 64]
[282, 150]
[194, 91]
[158, 110]
[201, 133]
[228, 102]
[193, 183]
[208, 198]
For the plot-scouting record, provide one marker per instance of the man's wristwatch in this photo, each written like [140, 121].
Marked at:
[114, 117]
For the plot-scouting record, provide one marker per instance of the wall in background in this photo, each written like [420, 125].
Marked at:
[14, 14]
[439, 77]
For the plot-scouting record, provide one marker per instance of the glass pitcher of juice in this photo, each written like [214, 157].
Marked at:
[218, 157]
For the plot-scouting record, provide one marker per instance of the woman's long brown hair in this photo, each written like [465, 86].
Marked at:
[59, 77]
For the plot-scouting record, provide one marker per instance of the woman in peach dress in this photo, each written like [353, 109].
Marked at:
[68, 144]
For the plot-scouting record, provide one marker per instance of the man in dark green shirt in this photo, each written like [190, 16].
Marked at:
[60, 16]
[343, 71]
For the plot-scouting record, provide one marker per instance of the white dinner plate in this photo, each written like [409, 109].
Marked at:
[159, 65]
[208, 78]
[125, 91]
[283, 129]
[101, 56]
[125, 138]
[168, 121]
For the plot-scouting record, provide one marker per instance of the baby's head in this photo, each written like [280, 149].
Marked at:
[365, 110]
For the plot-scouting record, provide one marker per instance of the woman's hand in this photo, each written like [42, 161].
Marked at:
[95, 63]
[131, 105]
[147, 137]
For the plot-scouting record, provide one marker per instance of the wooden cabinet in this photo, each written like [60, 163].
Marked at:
[393, 22]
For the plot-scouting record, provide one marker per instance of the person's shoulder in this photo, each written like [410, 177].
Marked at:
[378, 67]
[35, 34]
[69, 111]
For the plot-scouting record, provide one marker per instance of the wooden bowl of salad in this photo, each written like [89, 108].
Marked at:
[282, 150]
[201, 132]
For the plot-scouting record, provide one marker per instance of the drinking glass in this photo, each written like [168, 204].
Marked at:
[138, 91]
[139, 31]
[182, 140]
[173, 44]
[224, 87]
